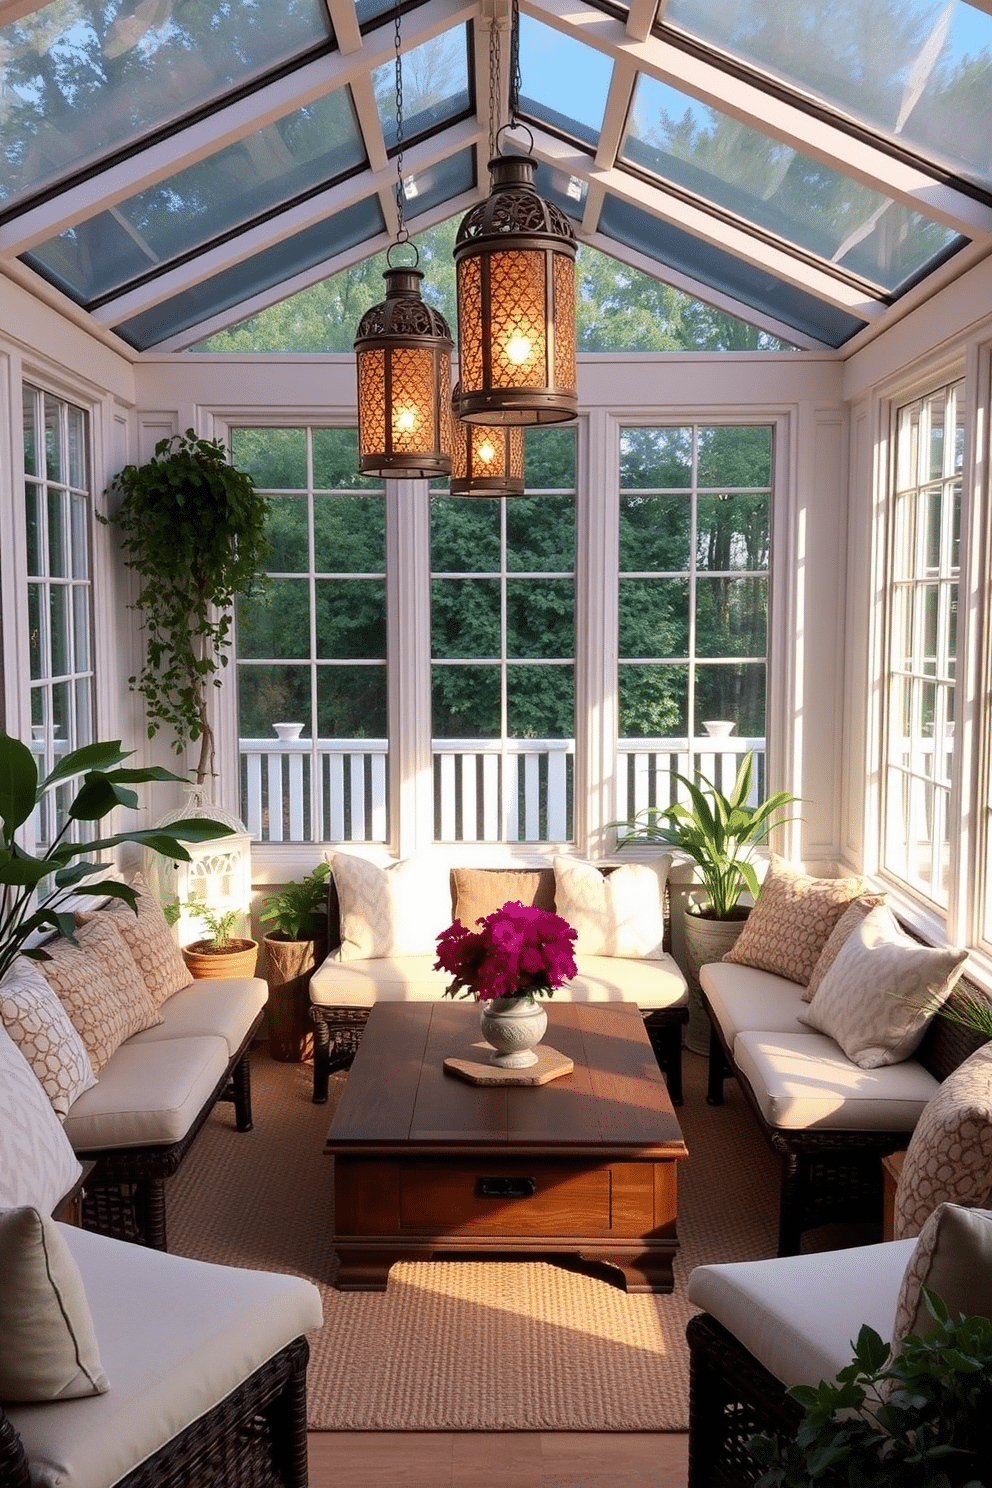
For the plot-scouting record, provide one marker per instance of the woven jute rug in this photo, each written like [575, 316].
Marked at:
[473, 1345]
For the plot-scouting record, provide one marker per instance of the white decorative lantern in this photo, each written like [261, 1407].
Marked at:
[218, 873]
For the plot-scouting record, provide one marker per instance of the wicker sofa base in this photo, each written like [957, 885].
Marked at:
[255, 1438]
[124, 1195]
[338, 1032]
[732, 1397]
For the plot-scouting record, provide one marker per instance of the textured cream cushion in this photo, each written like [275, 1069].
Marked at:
[44, 1033]
[227, 1006]
[741, 998]
[480, 891]
[615, 914]
[791, 921]
[100, 988]
[882, 991]
[949, 1157]
[149, 939]
[953, 1257]
[394, 911]
[848, 922]
[798, 1315]
[37, 1163]
[148, 1095]
[48, 1349]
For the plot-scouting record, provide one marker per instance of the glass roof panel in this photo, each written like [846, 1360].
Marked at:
[921, 71]
[435, 86]
[298, 154]
[199, 302]
[563, 82]
[438, 183]
[672, 247]
[82, 80]
[719, 159]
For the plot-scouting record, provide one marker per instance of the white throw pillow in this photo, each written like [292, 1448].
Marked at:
[394, 911]
[43, 1031]
[616, 914]
[48, 1347]
[882, 991]
[37, 1163]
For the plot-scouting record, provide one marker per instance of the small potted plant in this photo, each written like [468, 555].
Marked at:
[519, 953]
[294, 948]
[220, 954]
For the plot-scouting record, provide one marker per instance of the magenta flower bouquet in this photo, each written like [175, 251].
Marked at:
[517, 949]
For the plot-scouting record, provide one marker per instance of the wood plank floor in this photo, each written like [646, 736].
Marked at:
[553, 1459]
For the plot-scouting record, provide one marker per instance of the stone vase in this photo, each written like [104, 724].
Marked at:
[514, 1026]
[705, 940]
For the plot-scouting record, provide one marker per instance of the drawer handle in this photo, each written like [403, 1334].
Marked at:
[506, 1188]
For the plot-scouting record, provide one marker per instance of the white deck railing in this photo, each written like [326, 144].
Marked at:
[485, 790]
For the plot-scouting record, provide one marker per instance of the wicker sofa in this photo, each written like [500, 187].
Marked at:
[343, 988]
[123, 1366]
[162, 1050]
[831, 1117]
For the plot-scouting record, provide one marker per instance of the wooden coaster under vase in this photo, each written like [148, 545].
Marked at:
[550, 1064]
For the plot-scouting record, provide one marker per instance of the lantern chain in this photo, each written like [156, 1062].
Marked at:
[514, 63]
[494, 90]
[402, 233]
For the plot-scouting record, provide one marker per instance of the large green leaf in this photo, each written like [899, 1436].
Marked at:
[18, 784]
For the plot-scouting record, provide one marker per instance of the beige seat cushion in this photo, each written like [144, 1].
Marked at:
[224, 1005]
[176, 1336]
[804, 1080]
[651, 984]
[48, 1347]
[743, 998]
[37, 1163]
[799, 1315]
[148, 1094]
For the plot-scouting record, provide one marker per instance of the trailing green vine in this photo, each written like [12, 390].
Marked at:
[193, 529]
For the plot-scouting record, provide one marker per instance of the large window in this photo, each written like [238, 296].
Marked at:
[695, 511]
[502, 646]
[59, 584]
[922, 649]
[312, 644]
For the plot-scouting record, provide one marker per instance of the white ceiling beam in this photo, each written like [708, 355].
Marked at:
[769, 115]
[618, 102]
[640, 18]
[852, 298]
[296, 219]
[186, 147]
[344, 24]
[369, 122]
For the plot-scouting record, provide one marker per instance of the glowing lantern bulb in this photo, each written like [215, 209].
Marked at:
[406, 420]
[518, 348]
[486, 452]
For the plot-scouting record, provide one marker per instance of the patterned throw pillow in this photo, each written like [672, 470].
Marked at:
[43, 1031]
[949, 1157]
[953, 1257]
[616, 914]
[100, 988]
[37, 1163]
[849, 921]
[395, 911]
[792, 920]
[48, 1347]
[882, 991]
[149, 939]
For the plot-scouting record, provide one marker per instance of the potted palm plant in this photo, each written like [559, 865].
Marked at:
[36, 889]
[294, 948]
[719, 834]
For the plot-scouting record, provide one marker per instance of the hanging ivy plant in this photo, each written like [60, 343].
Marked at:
[193, 529]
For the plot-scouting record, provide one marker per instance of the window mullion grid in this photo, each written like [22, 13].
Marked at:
[317, 824]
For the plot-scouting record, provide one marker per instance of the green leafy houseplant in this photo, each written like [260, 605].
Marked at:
[914, 1418]
[193, 529]
[717, 832]
[299, 912]
[220, 923]
[34, 889]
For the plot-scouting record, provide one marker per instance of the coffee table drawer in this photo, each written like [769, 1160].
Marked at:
[511, 1198]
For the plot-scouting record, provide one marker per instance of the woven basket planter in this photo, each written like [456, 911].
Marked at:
[237, 959]
[289, 965]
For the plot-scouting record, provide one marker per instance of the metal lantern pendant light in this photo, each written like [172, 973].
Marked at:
[515, 268]
[403, 352]
[487, 460]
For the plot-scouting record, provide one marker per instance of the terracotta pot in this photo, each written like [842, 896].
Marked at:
[705, 940]
[237, 959]
[289, 965]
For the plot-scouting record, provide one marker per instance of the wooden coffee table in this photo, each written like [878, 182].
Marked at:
[426, 1164]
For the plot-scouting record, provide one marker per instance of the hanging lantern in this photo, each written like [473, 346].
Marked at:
[515, 268]
[403, 351]
[487, 460]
